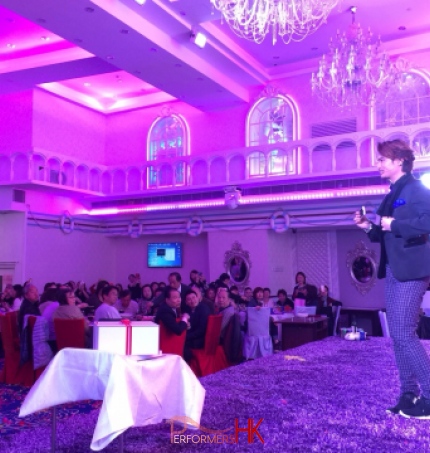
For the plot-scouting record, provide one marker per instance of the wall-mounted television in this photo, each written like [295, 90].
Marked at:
[165, 254]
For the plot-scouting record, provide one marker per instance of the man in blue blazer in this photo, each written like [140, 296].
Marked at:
[403, 233]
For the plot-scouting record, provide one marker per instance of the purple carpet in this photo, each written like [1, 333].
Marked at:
[327, 396]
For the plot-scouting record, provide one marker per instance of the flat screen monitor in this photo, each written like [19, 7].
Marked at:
[165, 254]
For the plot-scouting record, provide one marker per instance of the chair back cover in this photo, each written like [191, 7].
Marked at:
[384, 323]
[258, 321]
[69, 333]
[170, 343]
[213, 332]
[336, 314]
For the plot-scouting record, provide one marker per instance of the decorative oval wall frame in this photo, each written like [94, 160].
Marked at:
[67, 223]
[194, 226]
[277, 227]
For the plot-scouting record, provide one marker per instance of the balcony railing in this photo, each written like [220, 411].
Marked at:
[352, 153]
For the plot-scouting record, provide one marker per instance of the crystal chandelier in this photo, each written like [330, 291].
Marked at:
[292, 20]
[356, 72]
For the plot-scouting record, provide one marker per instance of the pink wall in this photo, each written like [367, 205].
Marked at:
[52, 255]
[62, 127]
[16, 122]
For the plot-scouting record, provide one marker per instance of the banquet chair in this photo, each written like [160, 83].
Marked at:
[384, 323]
[257, 341]
[211, 358]
[10, 337]
[69, 333]
[170, 343]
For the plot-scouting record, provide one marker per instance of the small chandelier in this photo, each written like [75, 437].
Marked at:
[356, 72]
[292, 20]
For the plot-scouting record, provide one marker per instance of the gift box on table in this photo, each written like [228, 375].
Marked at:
[127, 337]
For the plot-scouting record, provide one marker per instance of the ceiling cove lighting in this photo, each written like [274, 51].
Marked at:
[255, 199]
[356, 71]
[292, 20]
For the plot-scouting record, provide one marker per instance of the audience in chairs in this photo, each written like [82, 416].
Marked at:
[325, 306]
[199, 313]
[126, 305]
[168, 312]
[224, 306]
[30, 304]
[107, 310]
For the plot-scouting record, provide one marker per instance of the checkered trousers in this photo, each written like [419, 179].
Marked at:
[403, 302]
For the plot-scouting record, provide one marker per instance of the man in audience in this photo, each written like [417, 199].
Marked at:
[107, 310]
[125, 304]
[175, 282]
[30, 304]
[204, 300]
[225, 308]
[199, 313]
[247, 294]
[325, 306]
[134, 286]
[96, 299]
[168, 312]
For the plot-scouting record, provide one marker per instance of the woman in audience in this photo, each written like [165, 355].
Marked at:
[304, 293]
[283, 301]
[68, 310]
[257, 297]
[154, 287]
[210, 294]
[147, 300]
[267, 301]
[12, 298]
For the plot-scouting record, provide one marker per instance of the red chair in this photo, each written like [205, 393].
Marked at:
[170, 343]
[10, 337]
[70, 333]
[212, 358]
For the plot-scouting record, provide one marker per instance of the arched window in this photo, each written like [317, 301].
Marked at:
[168, 138]
[410, 105]
[272, 119]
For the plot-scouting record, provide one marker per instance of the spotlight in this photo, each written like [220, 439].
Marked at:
[198, 38]
[425, 179]
[141, 2]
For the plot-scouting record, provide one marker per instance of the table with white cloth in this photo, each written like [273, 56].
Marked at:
[134, 392]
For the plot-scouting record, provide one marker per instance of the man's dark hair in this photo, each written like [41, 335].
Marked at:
[398, 149]
[168, 291]
[124, 293]
[177, 276]
[107, 289]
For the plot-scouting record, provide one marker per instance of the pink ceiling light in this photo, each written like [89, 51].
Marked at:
[292, 20]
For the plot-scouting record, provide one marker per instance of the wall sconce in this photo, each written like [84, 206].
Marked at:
[198, 38]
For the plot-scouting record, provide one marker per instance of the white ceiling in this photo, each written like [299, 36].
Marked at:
[115, 55]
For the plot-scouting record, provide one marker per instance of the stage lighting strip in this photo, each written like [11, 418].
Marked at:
[298, 196]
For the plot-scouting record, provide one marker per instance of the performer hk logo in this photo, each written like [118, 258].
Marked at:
[211, 436]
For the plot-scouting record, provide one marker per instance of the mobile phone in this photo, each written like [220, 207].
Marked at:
[363, 211]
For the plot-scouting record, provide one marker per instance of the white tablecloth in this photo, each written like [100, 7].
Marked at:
[134, 393]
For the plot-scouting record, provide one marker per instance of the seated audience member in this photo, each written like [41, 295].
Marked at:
[81, 292]
[247, 294]
[162, 285]
[199, 313]
[48, 305]
[96, 299]
[197, 279]
[210, 294]
[283, 301]
[204, 300]
[12, 298]
[154, 287]
[68, 310]
[168, 311]
[257, 297]
[107, 310]
[30, 304]
[134, 286]
[175, 281]
[125, 304]
[223, 281]
[146, 303]
[237, 299]
[267, 301]
[223, 303]
[325, 306]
